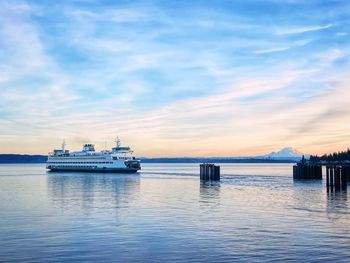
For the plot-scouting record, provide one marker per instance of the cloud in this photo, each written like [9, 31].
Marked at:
[295, 44]
[272, 50]
[342, 34]
[301, 29]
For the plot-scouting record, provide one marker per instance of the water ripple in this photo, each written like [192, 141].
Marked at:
[256, 213]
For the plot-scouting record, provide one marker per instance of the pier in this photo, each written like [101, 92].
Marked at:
[307, 170]
[337, 177]
[209, 172]
[337, 173]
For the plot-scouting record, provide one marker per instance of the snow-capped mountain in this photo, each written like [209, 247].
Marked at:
[285, 153]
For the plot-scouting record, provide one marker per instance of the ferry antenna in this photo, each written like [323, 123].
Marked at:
[117, 140]
[63, 145]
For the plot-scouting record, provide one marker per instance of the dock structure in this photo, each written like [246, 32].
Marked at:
[337, 173]
[209, 172]
[307, 170]
[336, 177]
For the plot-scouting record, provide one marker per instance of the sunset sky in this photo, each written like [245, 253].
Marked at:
[175, 78]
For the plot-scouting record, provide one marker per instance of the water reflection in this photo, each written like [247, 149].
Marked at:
[337, 201]
[209, 192]
[338, 209]
[77, 217]
[89, 191]
[298, 182]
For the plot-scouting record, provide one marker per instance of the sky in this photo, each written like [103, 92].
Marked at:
[175, 78]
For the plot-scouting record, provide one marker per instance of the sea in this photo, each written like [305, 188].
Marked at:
[256, 213]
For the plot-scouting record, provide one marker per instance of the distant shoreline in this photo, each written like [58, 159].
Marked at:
[25, 158]
[22, 158]
[215, 160]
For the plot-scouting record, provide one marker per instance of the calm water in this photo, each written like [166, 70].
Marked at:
[255, 214]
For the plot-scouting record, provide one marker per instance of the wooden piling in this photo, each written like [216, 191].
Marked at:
[344, 178]
[338, 175]
[331, 178]
[319, 172]
[307, 171]
[327, 177]
[209, 172]
[337, 171]
[217, 173]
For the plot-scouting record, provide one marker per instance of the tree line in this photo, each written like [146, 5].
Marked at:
[336, 156]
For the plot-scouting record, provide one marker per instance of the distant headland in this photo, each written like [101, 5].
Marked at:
[22, 158]
[285, 155]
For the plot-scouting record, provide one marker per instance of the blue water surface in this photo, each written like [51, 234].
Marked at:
[256, 213]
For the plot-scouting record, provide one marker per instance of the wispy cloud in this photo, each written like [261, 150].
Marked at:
[301, 29]
[342, 34]
[272, 50]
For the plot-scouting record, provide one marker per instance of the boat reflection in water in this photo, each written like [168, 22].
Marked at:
[91, 191]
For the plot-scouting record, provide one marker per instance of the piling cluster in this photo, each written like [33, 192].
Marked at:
[307, 171]
[336, 177]
[209, 172]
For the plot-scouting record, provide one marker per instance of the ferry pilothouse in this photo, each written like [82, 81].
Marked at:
[119, 159]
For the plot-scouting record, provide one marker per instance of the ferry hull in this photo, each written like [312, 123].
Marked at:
[93, 170]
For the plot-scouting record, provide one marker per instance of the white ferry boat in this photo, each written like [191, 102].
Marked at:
[119, 159]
